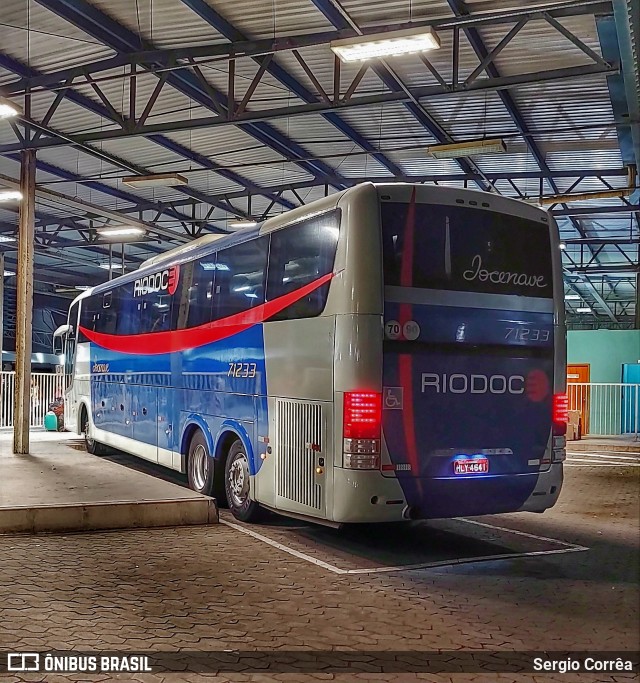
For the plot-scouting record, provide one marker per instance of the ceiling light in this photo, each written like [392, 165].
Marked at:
[388, 44]
[110, 266]
[120, 232]
[82, 288]
[10, 195]
[584, 309]
[7, 109]
[243, 224]
[8, 273]
[456, 150]
[562, 246]
[7, 238]
[156, 180]
[572, 297]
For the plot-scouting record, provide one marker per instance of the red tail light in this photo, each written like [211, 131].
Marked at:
[362, 415]
[560, 413]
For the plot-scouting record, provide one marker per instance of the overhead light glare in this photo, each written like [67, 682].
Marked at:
[455, 150]
[82, 288]
[8, 110]
[7, 238]
[238, 225]
[8, 273]
[562, 246]
[572, 297]
[583, 309]
[120, 232]
[156, 180]
[388, 44]
[110, 266]
[10, 196]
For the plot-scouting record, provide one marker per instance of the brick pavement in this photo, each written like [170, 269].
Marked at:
[199, 589]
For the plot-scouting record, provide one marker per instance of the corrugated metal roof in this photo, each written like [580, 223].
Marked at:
[571, 122]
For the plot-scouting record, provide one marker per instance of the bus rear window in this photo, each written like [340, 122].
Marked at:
[458, 248]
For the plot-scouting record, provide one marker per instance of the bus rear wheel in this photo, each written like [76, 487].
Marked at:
[203, 471]
[237, 483]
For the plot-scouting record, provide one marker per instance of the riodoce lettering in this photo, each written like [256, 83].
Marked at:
[501, 277]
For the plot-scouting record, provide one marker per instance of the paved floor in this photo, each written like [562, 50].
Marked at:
[200, 589]
[59, 486]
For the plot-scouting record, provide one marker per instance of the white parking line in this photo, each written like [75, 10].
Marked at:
[567, 548]
[592, 463]
[604, 456]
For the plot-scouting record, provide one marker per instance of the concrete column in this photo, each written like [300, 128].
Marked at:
[24, 308]
[637, 325]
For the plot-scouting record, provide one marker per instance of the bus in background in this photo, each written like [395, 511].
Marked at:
[388, 352]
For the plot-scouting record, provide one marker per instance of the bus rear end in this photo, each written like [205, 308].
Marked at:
[473, 403]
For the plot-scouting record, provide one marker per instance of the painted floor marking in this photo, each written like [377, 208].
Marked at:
[567, 548]
[603, 456]
[603, 463]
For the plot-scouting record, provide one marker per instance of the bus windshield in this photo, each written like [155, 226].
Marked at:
[465, 249]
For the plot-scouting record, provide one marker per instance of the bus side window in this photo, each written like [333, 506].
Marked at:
[200, 292]
[240, 277]
[300, 254]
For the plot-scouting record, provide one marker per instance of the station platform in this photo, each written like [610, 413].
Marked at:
[60, 487]
[625, 443]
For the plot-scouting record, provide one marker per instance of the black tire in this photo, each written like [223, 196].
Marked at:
[94, 447]
[237, 485]
[203, 471]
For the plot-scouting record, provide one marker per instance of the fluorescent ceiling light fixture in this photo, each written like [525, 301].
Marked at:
[112, 266]
[156, 180]
[120, 232]
[82, 288]
[584, 309]
[7, 238]
[243, 224]
[7, 109]
[388, 44]
[572, 297]
[8, 273]
[455, 150]
[562, 246]
[10, 195]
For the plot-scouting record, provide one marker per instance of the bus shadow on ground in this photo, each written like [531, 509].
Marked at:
[363, 548]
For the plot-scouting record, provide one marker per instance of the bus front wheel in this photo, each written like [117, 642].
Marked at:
[237, 485]
[92, 446]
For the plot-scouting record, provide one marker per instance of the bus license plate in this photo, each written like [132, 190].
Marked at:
[471, 466]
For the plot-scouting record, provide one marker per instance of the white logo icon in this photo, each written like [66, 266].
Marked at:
[393, 398]
[23, 661]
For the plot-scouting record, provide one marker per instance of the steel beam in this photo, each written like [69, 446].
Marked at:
[24, 304]
[13, 65]
[322, 107]
[109, 32]
[217, 21]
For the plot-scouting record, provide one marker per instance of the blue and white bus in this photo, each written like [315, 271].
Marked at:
[388, 352]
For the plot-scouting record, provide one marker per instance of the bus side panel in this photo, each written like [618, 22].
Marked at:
[299, 366]
[224, 379]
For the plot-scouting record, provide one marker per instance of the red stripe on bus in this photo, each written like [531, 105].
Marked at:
[154, 343]
[405, 361]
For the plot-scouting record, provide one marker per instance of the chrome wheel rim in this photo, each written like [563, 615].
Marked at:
[199, 466]
[239, 480]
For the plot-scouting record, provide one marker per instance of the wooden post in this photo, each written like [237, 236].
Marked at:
[24, 307]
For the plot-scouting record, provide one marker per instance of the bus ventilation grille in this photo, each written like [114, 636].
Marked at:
[299, 424]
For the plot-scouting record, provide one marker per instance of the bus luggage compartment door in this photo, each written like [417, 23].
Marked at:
[302, 459]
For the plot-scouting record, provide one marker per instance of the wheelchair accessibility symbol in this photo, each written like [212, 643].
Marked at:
[392, 398]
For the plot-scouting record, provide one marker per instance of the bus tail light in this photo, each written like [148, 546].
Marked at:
[362, 427]
[560, 414]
